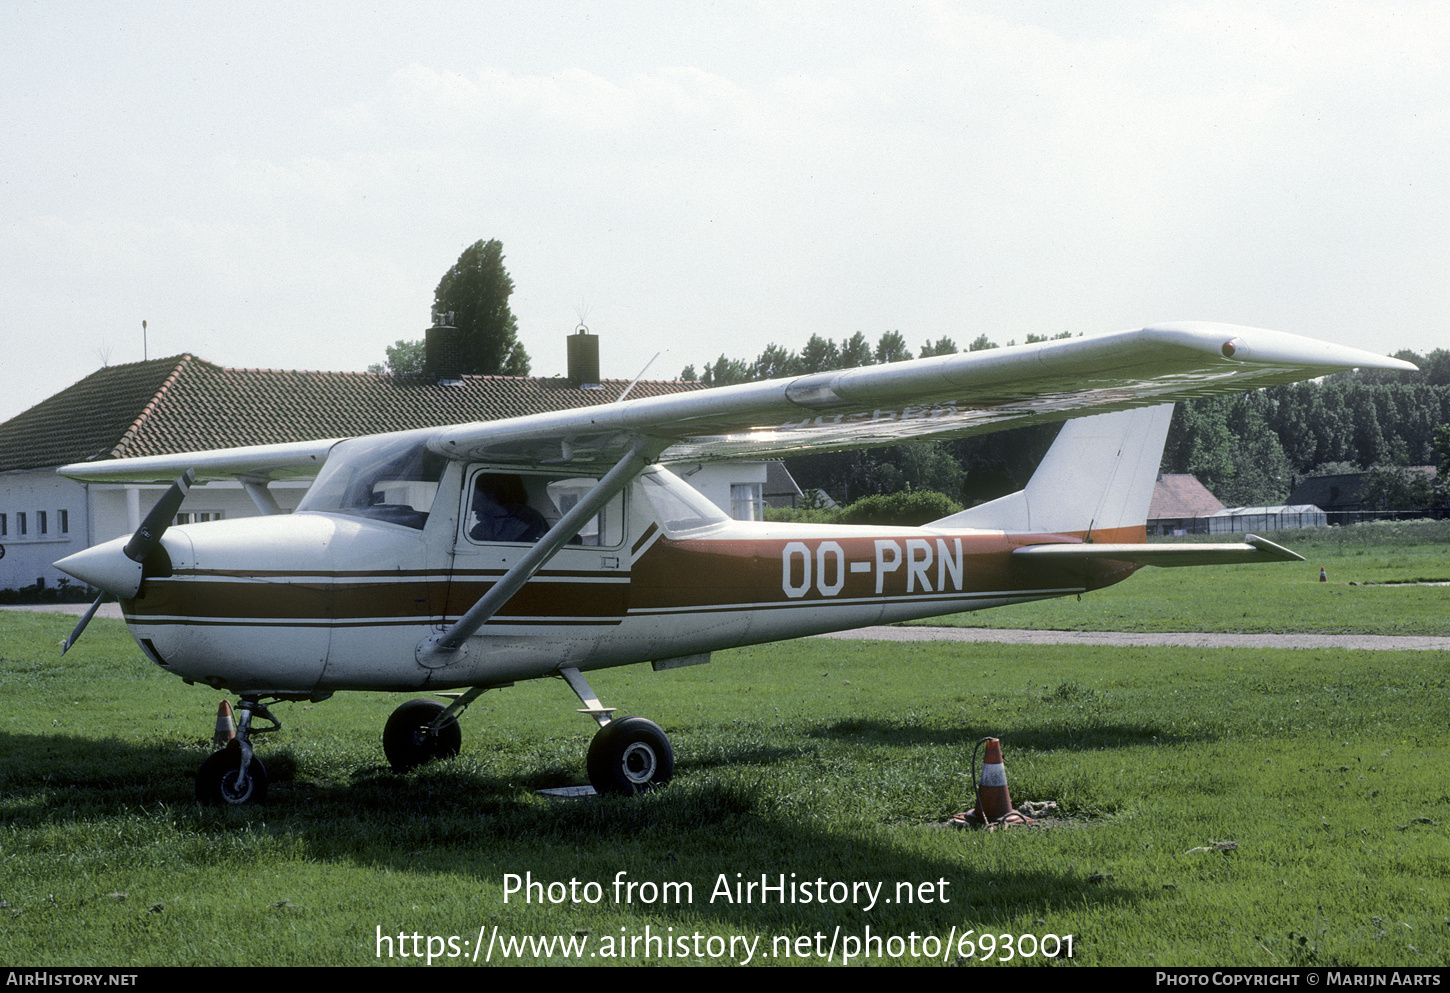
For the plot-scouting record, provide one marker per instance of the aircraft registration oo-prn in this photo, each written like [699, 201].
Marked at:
[473, 556]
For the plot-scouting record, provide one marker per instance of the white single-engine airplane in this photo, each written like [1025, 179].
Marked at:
[472, 556]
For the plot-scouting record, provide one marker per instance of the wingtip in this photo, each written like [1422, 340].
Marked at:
[1261, 345]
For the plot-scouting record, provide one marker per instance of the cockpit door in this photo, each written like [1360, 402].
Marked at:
[503, 512]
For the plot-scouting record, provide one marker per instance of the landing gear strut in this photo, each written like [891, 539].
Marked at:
[627, 756]
[234, 776]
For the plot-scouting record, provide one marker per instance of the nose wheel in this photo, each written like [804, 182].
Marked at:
[234, 776]
[220, 783]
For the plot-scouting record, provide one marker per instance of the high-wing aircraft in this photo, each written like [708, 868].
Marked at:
[473, 556]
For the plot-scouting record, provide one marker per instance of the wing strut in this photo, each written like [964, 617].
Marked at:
[439, 650]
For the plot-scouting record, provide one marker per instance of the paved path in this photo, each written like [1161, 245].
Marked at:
[1375, 642]
[111, 610]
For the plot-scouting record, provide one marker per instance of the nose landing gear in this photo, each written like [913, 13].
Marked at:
[234, 776]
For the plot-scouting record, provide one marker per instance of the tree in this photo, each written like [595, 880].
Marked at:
[476, 291]
[820, 355]
[892, 347]
[405, 358]
[1397, 488]
[855, 352]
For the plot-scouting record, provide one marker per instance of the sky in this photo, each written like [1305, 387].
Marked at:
[283, 185]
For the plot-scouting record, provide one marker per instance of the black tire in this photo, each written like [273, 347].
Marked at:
[407, 741]
[629, 756]
[216, 780]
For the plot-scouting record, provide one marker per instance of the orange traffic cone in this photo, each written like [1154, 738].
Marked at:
[225, 729]
[1323, 576]
[992, 796]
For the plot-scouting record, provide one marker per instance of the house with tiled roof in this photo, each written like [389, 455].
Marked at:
[1181, 505]
[184, 403]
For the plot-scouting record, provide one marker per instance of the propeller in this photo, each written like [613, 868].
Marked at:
[99, 567]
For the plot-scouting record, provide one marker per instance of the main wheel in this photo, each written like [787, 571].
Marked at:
[218, 781]
[628, 756]
[408, 743]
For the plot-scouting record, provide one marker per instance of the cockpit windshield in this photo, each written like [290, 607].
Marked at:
[390, 479]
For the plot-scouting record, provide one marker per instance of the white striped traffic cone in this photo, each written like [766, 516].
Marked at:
[992, 795]
[225, 729]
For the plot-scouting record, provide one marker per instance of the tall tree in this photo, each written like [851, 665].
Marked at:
[476, 291]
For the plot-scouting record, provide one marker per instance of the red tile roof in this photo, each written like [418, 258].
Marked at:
[1178, 496]
[184, 403]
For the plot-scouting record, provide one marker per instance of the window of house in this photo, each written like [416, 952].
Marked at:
[4, 526]
[198, 516]
[63, 519]
[20, 523]
[41, 522]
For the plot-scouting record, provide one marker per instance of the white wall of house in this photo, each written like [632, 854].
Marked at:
[77, 516]
[725, 485]
[43, 519]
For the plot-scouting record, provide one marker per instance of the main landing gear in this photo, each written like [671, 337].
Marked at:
[627, 756]
[414, 735]
[234, 776]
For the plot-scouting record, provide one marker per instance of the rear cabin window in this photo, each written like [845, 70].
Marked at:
[679, 505]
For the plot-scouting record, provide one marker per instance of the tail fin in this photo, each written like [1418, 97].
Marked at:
[1098, 475]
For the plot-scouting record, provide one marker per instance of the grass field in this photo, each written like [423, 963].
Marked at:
[1217, 807]
[1374, 575]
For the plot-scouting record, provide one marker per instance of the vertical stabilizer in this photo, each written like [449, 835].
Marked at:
[1098, 474]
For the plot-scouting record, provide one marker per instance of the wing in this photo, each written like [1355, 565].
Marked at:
[257, 463]
[945, 396]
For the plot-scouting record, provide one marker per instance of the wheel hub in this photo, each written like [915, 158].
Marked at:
[639, 763]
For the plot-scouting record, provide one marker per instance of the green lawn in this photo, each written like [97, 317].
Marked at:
[1217, 807]
[1373, 575]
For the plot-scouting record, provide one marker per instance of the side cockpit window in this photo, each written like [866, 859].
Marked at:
[501, 510]
[521, 507]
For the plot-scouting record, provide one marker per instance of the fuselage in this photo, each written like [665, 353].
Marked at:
[320, 601]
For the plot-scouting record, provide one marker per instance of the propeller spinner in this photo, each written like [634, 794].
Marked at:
[116, 571]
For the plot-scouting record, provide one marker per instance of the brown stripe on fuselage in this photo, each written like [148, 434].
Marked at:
[710, 573]
[421, 602]
[670, 576]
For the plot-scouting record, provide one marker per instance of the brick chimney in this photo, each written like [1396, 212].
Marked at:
[442, 351]
[583, 359]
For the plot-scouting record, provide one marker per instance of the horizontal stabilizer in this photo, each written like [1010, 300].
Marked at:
[1254, 549]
